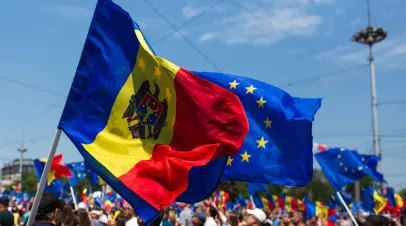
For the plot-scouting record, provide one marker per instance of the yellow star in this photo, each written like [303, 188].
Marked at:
[362, 159]
[51, 177]
[360, 168]
[229, 161]
[338, 156]
[233, 85]
[346, 169]
[141, 64]
[157, 72]
[168, 94]
[267, 123]
[262, 142]
[250, 89]
[245, 156]
[261, 102]
[341, 164]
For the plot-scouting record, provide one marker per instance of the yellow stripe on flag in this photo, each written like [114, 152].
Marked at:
[380, 202]
[114, 147]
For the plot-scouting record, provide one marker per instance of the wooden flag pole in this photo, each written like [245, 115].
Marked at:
[346, 208]
[44, 178]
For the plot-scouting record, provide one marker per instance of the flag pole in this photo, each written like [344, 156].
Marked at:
[44, 178]
[72, 192]
[346, 208]
[252, 201]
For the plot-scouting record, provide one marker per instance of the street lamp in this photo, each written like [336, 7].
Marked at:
[371, 36]
[21, 149]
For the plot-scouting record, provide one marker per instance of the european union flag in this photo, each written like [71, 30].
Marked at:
[254, 188]
[78, 171]
[278, 146]
[344, 166]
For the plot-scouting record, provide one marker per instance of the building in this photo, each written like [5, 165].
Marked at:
[10, 172]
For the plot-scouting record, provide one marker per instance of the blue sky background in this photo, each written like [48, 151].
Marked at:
[285, 43]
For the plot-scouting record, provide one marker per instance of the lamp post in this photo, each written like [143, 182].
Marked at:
[22, 150]
[371, 36]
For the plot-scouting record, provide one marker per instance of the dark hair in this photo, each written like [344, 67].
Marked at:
[120, 220]
[68, 217]
[213, 212]
[83, 218]
[379, 220]
[233, 221]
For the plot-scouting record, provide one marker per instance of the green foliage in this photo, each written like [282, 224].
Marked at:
[402, 193]
[29, 182]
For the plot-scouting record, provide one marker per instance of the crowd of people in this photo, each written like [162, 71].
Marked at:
[54, 211]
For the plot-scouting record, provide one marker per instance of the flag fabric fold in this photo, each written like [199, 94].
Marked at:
[254, 188]
[343, 166]
[152, 130]
[373, 202]
[57, 170]
[278, 147]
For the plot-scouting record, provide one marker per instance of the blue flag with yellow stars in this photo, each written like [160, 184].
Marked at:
[78, 171]
[254, 188]
[343, 166]
[278, 146]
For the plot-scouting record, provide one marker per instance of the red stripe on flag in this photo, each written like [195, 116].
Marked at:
[210, 123]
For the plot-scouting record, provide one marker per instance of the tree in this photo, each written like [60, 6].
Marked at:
[402, 193]
[29, 183]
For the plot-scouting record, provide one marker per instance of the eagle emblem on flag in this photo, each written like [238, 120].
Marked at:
[146, 114]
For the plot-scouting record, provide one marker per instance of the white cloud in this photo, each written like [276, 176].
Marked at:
[190, 12]
[390, 53]
[262, 26]
[70, 12]
[355, 22]
[207, 37]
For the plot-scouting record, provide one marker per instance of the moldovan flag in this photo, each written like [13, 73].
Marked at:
[153, 131]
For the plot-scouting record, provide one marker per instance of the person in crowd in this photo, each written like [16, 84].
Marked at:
[199, 207]
[232, 219]
[6, 217]
[103, 219]
[299, 218]
[94, 217]
[130, 216]
[27, 215]
[199, 219]
[185, 216]
[83, 218]
[49, 210]
[120, 220]
[165, 218]
[274, 217]
[286, 219]
[256, 217]
[375, 220]
[172, 218]
[68, 218]
[212, 217]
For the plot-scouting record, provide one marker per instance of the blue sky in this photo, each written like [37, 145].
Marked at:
[285, 43]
